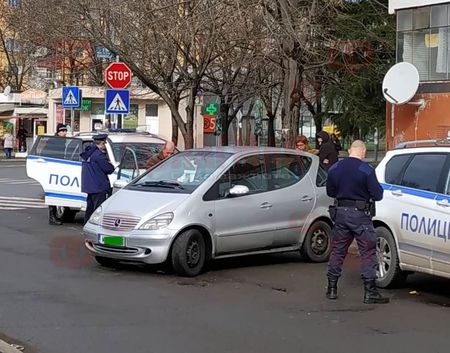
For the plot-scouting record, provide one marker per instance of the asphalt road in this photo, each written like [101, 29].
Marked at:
[55, 299]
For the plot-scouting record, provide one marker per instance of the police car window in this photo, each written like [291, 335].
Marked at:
[424, 172]
[58, 148]
[285, 170]
[321, 179]
[394, 168]
[250, 172]
[143, 151]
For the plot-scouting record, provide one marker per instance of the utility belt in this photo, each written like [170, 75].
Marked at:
[364, 206]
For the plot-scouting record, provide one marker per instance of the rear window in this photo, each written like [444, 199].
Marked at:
[395, 167]
[57, 147]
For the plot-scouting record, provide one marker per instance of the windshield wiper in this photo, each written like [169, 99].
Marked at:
[162, 184]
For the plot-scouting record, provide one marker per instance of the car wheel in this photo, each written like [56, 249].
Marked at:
[188, 253]
[388, 270]
[317, 243]
[106, 261]
[65, 214]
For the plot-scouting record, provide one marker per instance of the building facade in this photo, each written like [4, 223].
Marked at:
[423, 39]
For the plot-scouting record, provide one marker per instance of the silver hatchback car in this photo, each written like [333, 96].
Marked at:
[213, 203]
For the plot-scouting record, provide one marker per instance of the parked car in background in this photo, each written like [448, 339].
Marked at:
[59, 172]
[213, 203]
[413, 219]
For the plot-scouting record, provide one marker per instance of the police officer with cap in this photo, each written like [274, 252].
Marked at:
[355, 187]
[94, 174]
[56, 148]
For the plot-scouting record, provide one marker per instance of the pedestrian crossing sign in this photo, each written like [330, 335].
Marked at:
[117, 101]
[71, 97]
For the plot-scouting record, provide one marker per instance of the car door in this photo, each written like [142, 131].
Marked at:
[54, 162]
[440, 260]
[246, 222]
[292, 195]
[414, 205]
[128, 169]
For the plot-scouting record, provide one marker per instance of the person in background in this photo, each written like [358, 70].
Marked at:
[8, 144]
[56, 148]
[166, 152]
[327, 151]
[302, 144]
[336, 142]
[95, 168]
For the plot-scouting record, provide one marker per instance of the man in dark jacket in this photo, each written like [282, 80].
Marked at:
[327, 151]
[94, 174]
[56, 148]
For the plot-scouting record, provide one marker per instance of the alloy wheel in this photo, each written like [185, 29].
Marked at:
[384, 257]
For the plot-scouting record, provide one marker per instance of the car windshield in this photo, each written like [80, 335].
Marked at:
[183, 172]
[143, 151]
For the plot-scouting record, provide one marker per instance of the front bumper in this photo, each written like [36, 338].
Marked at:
[150, 247]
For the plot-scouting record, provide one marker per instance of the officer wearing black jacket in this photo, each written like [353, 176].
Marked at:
[355, 187]
[95, 169]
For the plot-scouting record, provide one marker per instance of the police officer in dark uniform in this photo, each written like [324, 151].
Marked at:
[355, 187]
[94, 174]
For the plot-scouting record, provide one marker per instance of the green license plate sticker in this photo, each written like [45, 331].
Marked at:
[112, 240]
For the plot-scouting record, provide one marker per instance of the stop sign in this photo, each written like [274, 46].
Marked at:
[118, 75]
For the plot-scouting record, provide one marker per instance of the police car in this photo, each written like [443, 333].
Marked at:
[413, 220]
[59, 172]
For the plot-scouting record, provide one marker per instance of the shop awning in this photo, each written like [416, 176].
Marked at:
[19, 111]
[6, 108]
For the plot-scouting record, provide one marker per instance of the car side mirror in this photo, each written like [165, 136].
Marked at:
[120, 184]
[239, 190]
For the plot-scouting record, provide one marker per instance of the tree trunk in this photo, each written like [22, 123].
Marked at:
[290, 88]
[224, 111]
[271, 131]
[174, 130]
[190, 111]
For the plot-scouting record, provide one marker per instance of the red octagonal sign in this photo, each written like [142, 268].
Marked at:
[118, 75]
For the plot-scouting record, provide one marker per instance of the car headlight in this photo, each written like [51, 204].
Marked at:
[158, 222]
[96, 217]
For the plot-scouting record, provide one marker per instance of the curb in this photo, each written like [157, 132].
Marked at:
[7, 348]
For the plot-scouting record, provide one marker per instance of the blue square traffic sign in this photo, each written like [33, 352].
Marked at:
[71, 97]
[117, 101]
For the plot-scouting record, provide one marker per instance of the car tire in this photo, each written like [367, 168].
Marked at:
[106, 261]
[188, 253]
[316, 246]
[388, 269]
[65, 214]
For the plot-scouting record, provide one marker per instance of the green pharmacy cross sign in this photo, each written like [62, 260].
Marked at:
[211, 109]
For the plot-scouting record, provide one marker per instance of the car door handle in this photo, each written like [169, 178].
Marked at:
[266, 205]
[397, 193]
[443, 203]
[306, 198]
[40, 160]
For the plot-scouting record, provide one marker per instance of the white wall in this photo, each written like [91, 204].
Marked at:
[404, 4]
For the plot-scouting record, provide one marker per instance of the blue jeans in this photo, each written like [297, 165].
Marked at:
[8, 153]
[353, 224]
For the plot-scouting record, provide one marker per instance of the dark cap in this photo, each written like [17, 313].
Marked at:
[61, 127]
[100, 137]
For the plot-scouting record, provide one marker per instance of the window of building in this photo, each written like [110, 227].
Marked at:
[423, 39]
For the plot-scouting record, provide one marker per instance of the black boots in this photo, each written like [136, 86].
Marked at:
[52, 219]
[332, 288]
[371, 294]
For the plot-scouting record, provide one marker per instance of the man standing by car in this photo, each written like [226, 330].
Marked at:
[94, 174]
[56, 148]
[166, 152]
[328, 154]
[355, 187]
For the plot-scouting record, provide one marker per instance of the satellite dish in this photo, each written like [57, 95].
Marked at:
[7, 90]
[401, 83]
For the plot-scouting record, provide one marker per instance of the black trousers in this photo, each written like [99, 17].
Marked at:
[93, 202]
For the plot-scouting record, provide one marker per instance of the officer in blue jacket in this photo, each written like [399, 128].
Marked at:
[94, 174]
[354, 185]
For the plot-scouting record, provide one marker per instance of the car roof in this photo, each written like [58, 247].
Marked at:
[250, 149]
[122, 136]
[424, 144]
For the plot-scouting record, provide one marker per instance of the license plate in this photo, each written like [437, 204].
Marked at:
[111, 240]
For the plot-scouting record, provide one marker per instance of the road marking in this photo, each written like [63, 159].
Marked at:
[20, 203]
[10, 181]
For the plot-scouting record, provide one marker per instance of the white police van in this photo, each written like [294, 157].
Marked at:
[59, 172]
[413, 219]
